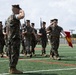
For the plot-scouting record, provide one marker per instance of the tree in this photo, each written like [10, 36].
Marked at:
[74, 35]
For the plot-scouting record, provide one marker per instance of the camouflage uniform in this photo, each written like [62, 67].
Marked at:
[33, 41]
[23, 40]
[2, 41]
[28, 38]
[43, 39]
[13, 30]
[6, 42]
[54, 39]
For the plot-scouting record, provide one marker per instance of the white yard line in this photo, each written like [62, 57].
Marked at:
[37, 71]
[50, 70]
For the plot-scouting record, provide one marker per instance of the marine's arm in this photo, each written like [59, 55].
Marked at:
[21, 15]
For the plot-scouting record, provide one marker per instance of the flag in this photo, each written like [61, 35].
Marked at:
[68, 38]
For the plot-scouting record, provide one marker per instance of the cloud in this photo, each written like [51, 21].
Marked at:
[64, 10]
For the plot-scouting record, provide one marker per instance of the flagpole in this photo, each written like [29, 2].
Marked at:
[40, 22]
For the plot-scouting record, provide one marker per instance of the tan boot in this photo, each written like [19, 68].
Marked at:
[28, 55]
[51, 57]
[45, 55]
[14, 71]
[57, 58]
[34, 54]
[54, 57]
[1, 55]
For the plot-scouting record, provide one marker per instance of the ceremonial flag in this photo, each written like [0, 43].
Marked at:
[68, 38]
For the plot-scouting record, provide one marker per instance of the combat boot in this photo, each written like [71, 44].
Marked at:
[34, 54]
[1, 55]
[15, 71]
[57, 58]
[51, 57]
[29, 55]
[44, 55]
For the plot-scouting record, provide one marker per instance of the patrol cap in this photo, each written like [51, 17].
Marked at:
[44, 22]
[0, 21]
[55, 19]
[32, 24]
[16, 6]
[27, 20]
[52, 20]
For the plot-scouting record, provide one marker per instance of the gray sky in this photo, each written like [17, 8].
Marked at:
[64, 10]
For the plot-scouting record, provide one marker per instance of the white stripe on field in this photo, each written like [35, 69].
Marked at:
[38, 59]
[64, 69]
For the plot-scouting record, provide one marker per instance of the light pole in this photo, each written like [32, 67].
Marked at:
[71, 31]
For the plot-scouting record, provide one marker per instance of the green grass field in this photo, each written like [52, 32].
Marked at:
[39, 65]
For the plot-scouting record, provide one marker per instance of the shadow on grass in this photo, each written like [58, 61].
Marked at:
[38, 74]
[40, 56]
[37, 56]
[67, 58]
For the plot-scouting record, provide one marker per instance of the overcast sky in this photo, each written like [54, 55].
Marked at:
[63, 10]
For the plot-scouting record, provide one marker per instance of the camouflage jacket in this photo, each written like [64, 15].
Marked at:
[13, 27]
[2, 41]
[29, 30]
[44, 34]
[55, 31]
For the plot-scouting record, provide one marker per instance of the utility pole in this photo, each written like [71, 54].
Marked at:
[71, 31]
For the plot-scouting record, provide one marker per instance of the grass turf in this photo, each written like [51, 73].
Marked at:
[39, 65]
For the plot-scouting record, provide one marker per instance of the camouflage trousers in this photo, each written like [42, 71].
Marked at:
[6, 47]
[1, 48]
[13, 52]
[33, 45]
[23, 46]
[27, 43]
[54, 46]
[43, 43]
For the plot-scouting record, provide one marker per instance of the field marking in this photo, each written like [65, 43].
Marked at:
[67, 52]
[53, 63]
[39, 48]
[43, 70]
[63, 69]
[48, 62]
[21, 59]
